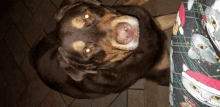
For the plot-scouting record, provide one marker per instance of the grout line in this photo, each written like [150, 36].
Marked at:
[13, 23]
[44, 97]
[47, 25]
[33, 14]
[38, 7]
[21, 34]
[25, 27]
[114, 99]
[4, 35]
[14, 59]
[63, 99]
[12, 95]
[8, 84]
[26, 43]
[9, 52]
[45, 31]
[27, 7]
[71, 102]
[134, 89]
[22, 74]
[26, 87]
[4, 79]
[53, 16]
[4, 75]
[54, 4]
[115, 2]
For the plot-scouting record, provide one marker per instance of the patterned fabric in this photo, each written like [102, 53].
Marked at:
[195, 55]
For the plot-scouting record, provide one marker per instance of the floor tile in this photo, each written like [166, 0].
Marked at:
[164, 7]
[17, 44]
[3, 83]
[28, 70]
[7, 99]
[5, 23]
[34, 94]
[32, 5]
[163, 99]
[135, 98]
[121, 100]
[51, 25]
[39, 21]
[151, 94]
[42, 35]
[20, 15]
[57, 2]
[67, 99]
[150, 6]
[100, 102]
[53, 99]
[14, 77]
[138, 85]
[4, 52]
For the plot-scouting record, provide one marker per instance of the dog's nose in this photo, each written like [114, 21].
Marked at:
[124, 33]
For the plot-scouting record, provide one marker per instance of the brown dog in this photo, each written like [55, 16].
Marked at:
[97, 50]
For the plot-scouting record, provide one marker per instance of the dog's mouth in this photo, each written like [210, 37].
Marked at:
[121, 39]
[126, 33]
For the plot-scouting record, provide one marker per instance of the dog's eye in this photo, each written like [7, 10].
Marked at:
[88, 51]
[87, 16]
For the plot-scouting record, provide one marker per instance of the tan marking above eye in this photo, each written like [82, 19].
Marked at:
[78, 46]
[213, 22]
[82, 20]
[196, 89]
[78, 22]
[216, 98]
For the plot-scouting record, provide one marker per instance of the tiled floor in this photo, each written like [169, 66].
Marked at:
[26, 22]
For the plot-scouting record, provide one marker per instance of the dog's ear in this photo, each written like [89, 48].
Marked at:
[65, 5]
[96, 2]
[68, 2]
[59, 15]
[75, 74]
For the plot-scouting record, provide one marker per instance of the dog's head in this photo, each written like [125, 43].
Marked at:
[90, 34]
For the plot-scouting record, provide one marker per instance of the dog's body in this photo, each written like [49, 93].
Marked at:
[75, 58]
